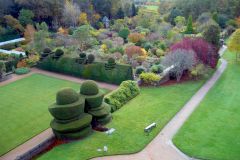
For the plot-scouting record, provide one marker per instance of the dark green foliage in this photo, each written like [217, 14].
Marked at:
[59, 52]
[23, 70]
[2, 69]
[134, 10]
[101, 111]
[94, 101]
[95, 71]
[66, 96]
[222, 20]
[147, 46]
[74, 135]
[89, 88]
[140, 70]
[120, 14]
[72, 126]
[124, 33]
[173, 14]
[70, 121]
[104, 120]
[212, 34]
[82, 58]
[111, 64]
[67, 112]
[157, 69]
[189, 29]
[25, 17]
[91, 58]
[47, 50]
[127, 91]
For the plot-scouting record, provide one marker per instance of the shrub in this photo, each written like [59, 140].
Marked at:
[135, 50]
[22, 63]
[124, 33]
[147, 46]
[89, 88]
[157, 69]
[59, 52]
[111, 64]
[212, 34]
[66, 96]
[127, 91]
[32, 60]
[182, 60]
[47, 50]
[2, 68]
[82, 58]
[198, 71]
[91, 58]
[140, 70]
[94, 71]
[23, 70]
[205, 52]
[150, 78]
[135, 37]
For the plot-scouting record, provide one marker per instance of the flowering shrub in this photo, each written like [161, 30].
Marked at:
[150, 78]
[205, 52]
[135, 37]
[32, 60]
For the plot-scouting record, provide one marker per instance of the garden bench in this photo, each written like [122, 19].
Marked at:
[150, 127]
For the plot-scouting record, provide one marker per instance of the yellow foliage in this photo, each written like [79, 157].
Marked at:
[63, 31]
[29, 33]
[96, 17]
[83, 18]
[234, 41]
[104, 48]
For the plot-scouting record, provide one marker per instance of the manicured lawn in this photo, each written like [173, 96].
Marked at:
[24, 108]
[213, 130]
[152, 105]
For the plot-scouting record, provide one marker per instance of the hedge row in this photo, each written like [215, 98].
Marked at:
[127, 91]
[95, 71]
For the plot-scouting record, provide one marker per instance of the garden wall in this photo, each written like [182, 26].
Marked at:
[95, 71]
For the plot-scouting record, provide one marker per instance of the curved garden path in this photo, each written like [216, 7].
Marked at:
[162, 148]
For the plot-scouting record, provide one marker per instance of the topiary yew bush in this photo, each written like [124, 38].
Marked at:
[127, 91]
[94, 105]
[89, 88]
[69, 121]
[91, 58]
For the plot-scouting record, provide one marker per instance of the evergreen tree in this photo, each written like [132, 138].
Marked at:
[189, 29]
[120, 14]
[134, 10]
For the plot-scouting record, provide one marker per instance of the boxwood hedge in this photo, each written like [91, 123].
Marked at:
[95, 71]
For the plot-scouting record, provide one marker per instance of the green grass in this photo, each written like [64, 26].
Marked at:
[152, 105]
[24, 108]
[213, 130]
[152, 7]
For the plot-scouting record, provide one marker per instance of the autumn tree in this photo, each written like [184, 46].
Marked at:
[14, 23]
[70, 14]
[234, 42]
[29, 33]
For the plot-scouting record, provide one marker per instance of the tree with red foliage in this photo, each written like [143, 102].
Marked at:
[205, 52]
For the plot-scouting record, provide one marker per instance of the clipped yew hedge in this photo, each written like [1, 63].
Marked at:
[95, 71]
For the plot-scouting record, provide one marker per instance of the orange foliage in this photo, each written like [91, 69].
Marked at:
[136, 51]
[135, 37]
[22, 63]
[63, 31]
[238, 21]
[29, 33]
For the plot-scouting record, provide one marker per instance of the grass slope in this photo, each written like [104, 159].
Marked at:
[24, 108]
[152, 105]
[213, 130]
